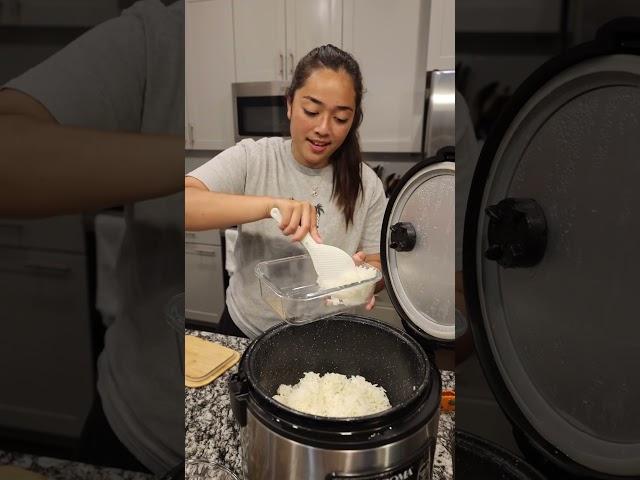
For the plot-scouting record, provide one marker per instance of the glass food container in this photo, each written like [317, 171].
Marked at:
[198, 469]
[289, 285]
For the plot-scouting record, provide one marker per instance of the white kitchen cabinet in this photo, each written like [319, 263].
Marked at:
[270, 36]
[209, 71]
[259, 40]
[207, 237]
[310, 24]
[441, 45]
[204, 283]
[45, 347]
[389, 40]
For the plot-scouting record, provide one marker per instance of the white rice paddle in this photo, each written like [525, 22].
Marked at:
[330, 262]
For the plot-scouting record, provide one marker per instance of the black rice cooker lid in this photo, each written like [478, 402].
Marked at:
[417, 248]
[551, 256]
[480, 459]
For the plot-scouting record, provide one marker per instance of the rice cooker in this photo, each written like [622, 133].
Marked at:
[418, 251]
[551, 260]
[479, 459]
[279, 443]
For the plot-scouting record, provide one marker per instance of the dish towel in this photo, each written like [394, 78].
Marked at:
[230, 237]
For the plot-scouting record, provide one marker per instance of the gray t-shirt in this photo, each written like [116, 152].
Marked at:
[267, 167]
[127, 74]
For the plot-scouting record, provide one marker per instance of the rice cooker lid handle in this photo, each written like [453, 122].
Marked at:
[621, 35]
[417, 248]
[517, 233]
[514, 253]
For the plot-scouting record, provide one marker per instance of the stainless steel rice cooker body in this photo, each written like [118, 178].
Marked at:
[279, 443]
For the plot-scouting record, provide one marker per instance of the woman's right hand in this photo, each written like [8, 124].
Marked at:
[298, 218]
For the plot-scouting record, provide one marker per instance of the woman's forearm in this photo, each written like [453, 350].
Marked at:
[50, 169]
[207, 210]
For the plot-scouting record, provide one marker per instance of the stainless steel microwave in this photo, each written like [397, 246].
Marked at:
[260, 110]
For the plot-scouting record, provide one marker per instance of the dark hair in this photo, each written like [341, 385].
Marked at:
[347, 159]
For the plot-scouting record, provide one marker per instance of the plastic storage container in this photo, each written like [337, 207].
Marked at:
[289, 286]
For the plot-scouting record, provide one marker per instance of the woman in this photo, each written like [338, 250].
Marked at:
[317, 180]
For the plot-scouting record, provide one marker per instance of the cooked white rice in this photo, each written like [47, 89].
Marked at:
[333, 395]
[355, 295]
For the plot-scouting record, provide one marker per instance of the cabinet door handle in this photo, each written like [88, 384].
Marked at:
[282, 65]
[191, 140]
[291, 56]
[193, 250]
[208, 253]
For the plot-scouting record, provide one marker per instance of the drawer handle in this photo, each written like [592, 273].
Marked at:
[201, 251]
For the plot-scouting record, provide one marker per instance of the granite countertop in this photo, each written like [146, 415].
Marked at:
[57, 469]
[211, 433]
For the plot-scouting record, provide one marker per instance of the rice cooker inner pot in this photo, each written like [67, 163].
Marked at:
[349, 345]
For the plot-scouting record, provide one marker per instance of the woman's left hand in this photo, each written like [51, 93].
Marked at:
[359, 258]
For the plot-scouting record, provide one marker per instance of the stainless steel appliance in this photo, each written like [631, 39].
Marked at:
[440, 109]
[281, 444]
[260, 110]
[284, 444]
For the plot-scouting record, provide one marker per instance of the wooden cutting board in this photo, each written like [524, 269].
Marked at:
[205, 361]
